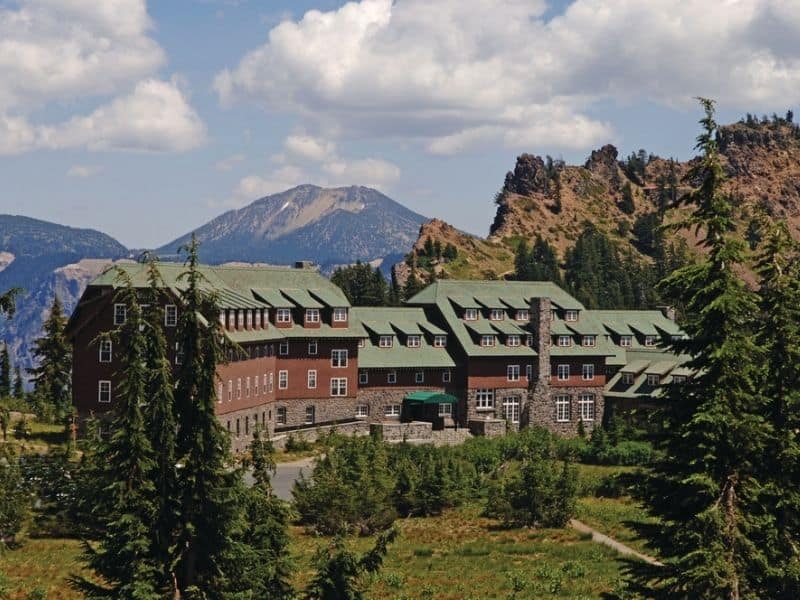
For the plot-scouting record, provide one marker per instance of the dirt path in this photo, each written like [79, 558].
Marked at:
[601, 538]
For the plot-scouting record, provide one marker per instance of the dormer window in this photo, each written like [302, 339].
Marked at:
[257, 319]
[439, 341]
[340, 315]
[362, 343]
[571, 315]
[231, 319]
[564, 341]
[589, 341]
[497, 314]
[222, 319]
[627, 378]
[523, 315]
[678, 378]
[653, 379]
[385, 341]
[249, 319]
[487, 340]
[240, 319]
[513, 340]
[625, 341]
[312, 315]
[529, 340]
[283, 315]
[553, 314]
[676, 338]
[413, 341]
[471, 314]
[649, 341]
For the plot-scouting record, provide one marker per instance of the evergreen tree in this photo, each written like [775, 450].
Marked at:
[412, 286]
[15, 499]
[52, 378]
[18, 391]
[627, 205]
[8, 302]
[450, 252]
[544, 262]
[5, 372]
[705, 490]
[363, 285]
[522, 262]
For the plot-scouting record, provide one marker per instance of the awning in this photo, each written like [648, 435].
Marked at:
[431, 398]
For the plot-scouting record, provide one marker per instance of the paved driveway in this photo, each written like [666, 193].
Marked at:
[285, 476]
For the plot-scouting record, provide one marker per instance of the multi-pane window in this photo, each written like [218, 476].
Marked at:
[571, 315]
[564, 340]
[247, 425]
[247, 387]
[511, 409]
[529, 372]
[446, 376]
[362, 411]
[439, 341]
[170, 315]
[413, 341]
[487, 340]
[120, 314]
[339, 315]
[270, 383]
[338, 386]
[587, 372]
[283, 315]
[104, 391]
[625, 341]
[627, 378]
[523, 315]
[258, 319]
[513, 340]
[105, 351]
[562, 409]
[179, 353]
[238, 388]
[283, 380]
[311, 414]
[280, 415]
[529, 340]
[563, 372]
[470, 314]
[649, 341]
[445, 410]
[512, 372]
[391, 377]
[586, 404]
[678, 378]
[385, 341]
[653, 379]
[249, 323]
[283, 348]
[497, 314]
[391, 410]
[230, 390]
[255, 385]
[312, 315]
[240, 319]
[590, 340]
[363, 377]
[484, 398]
[231, 319]
[313, 348]
[238, 428]
[419, 377]
[338, 359]
[312, 379]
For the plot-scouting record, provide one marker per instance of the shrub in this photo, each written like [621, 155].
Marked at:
[631, 453]
[428, 479]
[294, 444]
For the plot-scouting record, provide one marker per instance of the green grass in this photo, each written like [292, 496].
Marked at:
[42, 563]
[616, 517]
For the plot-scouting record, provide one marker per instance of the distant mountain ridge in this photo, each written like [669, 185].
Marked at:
[329, 226]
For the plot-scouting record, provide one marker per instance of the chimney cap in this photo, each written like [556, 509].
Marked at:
[304, 264]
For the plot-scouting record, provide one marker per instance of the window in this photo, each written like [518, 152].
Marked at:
[283, 380]
[419, 377]
[625, 341]
[529, 340]
[653, 379]
[313, 348]
[649, 341]
[312, 315]
[445, 410]
[221, 318]
[587, 372]
[280, 415]
[339, 359]
[338, 386]
[487, 340]
[312, 379]
[362, 411]
[283, 315]
[571, 315]
[105, 351]
[271, 384]
[258, 319]
[363, 377]
[230, 390]
[562, 409]
[283, 348]
[512, 372]
[240, 319]
[413, 341]
[590, 340]
[511, 408]
[238, 428]
[471, 314]
[120, 314]
[564, 340]
[249, 326]
[220, 392]
[446, 376]
[523, 315]
[247, 425]
[484, 399]
[170, 315]
[513, 340]
[228, 425]
[586, 404]
[339, 315]
[529, 372]
[439, 341]
[247, 387]
[563, 372]
[231, 319]
[238, 388]
[104, 391]
[497, 314]
[391, 377]
[385, 341]
[362, 342]
[311, 413]
[627, 378]
[678, 379]
[391, 410]
[255, 385]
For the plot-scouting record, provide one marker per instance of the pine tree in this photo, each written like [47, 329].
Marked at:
[18, 391]
[522, 262]
[5, 372]
[544, 262]
[627, 205]
[363, 285]
[52, 378]
[412, 286]
[705, 490]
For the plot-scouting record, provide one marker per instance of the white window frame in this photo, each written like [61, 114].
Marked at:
[487, 341]
[391, 377]
[220, 391]
[587, 372]
[419, 377]
[249, 316]
[470, 314]
[564, 341]
[230, 390]
[238, 388]
[571, 315]
[255, 385]
[679, 379]
[385, 341]
[413, 341]
[339, 358]
[511, 407]
[447, 376]
[312, 315]
[362, 411]
[105, 351]
[257, 319]
[363, 377]
[271, 385]
[311, 415]
[283, 315]
[563, 408]
[362, 342]
[653, 379]
[340, 315]
[589, 341]
[280, 415]
[120, 314]
[283, 348]
[311, 379]
[523, 315]
[247, 387]
[313, 348]
[625, 341]
[512, 373]
[240, 319]
[170, 315]
[628, 378]
[104, 388]
[513, 341]
[439, 341]
[529, 340]
[338, 386]
[391, 410]
[563, 372]
[445, 409]
[586, 404]
[484, 399]
[497, 314]
[649, 341]
[529, 372]
[283, 379]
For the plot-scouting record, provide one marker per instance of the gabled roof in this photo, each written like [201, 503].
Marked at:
[301, 298]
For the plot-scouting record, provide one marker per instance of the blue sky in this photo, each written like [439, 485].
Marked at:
[146, 119]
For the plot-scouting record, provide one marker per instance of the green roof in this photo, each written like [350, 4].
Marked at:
[273, 297]
[508, 328]
[301, 298]
[431, 398]
[647, 322]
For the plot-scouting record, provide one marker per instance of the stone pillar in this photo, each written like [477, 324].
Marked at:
[539, 397]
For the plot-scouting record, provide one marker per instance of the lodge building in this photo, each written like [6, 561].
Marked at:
[456, 352]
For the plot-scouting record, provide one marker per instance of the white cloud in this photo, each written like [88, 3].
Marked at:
[229, 162]
[308, 147]
[454, 75]
[62, 51]
[371, 172]
[84, 171]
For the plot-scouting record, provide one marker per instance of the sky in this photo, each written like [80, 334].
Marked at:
[146, 119]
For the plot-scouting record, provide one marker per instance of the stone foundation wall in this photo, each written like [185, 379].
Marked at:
[326, 410]
[397, 432]
[312, 434]
[543, 409]
[496, 412]
[488, 427]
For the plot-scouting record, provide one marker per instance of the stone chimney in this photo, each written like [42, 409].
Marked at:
[539, 392]
[304, 264]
